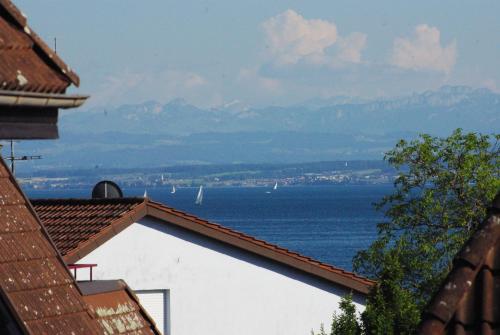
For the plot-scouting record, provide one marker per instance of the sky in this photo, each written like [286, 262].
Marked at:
[258, 53]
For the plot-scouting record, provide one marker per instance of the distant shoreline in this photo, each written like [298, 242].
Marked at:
[227, 175]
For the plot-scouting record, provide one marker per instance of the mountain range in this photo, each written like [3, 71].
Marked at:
[177, 132]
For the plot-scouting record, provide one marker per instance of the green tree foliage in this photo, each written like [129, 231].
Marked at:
[390, 309]
[346, 322]
[443, 188]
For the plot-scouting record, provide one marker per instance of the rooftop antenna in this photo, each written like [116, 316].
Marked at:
[12, 158]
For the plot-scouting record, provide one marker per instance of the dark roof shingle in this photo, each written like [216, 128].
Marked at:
[468, 301]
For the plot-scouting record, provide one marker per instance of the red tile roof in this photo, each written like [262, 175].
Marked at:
[75, 221]
[33, 80]
[116, 308]
[35, 285]
[68, 221]
[468, 301]
[26, 62]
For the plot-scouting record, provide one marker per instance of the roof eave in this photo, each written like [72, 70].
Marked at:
[40, 100]
[358, 286]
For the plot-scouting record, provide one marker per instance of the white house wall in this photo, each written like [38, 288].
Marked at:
[215, 288]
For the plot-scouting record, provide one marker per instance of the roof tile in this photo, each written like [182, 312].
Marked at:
[74, 221]
[468, 301]
[118, 310]
[26, 62]
[33, 279]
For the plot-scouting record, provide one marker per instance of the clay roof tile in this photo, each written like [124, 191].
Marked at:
[468, 301]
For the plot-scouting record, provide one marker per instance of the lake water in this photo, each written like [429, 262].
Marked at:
[328, 223]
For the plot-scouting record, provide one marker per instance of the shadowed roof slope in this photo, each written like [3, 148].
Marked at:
[35, 285]
[91, 222]
[116, 308]
[468, 301]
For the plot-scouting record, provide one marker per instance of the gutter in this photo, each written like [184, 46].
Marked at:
[31, 99]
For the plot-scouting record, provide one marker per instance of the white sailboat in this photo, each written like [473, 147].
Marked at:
[275, 186]
[173, 189]
[145, 194]
[199, 197]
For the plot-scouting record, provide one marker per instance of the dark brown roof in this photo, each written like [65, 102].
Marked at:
[91, 222]
[35, 285]
[468, 301]
[116, 308]
[75, 221]
[26, 62]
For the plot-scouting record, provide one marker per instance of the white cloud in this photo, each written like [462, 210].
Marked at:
[291, 39]
[424, 51]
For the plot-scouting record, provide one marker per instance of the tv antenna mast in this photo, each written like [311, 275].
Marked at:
[12, 158]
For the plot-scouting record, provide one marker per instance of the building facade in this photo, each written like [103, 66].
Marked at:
[197, 277]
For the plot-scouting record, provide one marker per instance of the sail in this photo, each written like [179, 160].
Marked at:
[145, 194]
[275, 186]
[173, 189]
[199, 197]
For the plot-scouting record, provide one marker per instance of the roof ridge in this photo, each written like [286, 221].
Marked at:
[74, 201]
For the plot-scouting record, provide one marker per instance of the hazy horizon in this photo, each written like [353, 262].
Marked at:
[261, 53]
[257, 81]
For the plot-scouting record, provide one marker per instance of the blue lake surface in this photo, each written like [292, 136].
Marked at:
[328, 223]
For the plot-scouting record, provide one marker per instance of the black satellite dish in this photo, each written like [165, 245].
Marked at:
[106, 189]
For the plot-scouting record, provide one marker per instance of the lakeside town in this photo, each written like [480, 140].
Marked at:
[256, 175]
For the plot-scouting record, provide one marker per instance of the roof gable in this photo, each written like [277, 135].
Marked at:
[57, 213]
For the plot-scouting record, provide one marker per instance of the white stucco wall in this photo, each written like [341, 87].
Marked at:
[215, 288]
